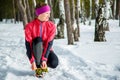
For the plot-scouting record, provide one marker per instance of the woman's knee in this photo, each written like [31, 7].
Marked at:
[54, 64]
[53, 60]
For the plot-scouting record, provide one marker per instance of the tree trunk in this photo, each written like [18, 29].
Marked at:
[33, 9]
[28, 11]
[99, 27]
[14, 14]
[60, 25]
[90, 16]
[73, 22]
[68, 22]
[83, 16]
[117, 10]
[106, 14]
[77, 17]
[96, 7]
[34, 3]
[51, 6]
[107, 9]
[22, 10]
[46, 1]
[114, 8]
[119, 13]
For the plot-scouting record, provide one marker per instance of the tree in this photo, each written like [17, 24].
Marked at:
[114, 8]
[73, 21]
[77, 29]
[83, 15]
[34, 3]
[99, 26]
[96, 7]
[119, 13]
[51, 6]
[90, 16]
[68, 22]
[117, 9]
[14, 14]
[22, 8]
[28, 11]
[107, 13]
[60, 25]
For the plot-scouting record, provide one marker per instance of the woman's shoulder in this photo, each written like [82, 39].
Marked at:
[32, 23]
[50, 23]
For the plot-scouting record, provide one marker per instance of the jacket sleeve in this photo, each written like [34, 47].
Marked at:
[28, 43]
[48, 43]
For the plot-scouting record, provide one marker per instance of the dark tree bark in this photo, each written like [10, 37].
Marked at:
[68, 22]
[14, 14]
[51, 6]
[28, 11]
[117, 9]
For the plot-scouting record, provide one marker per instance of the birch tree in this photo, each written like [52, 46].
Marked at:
[96, 7]
[14, 14]
[60, 25]
[33, 9]
[117, 9]
[106, 14]
[90, 16]
[77, 18]
[114, 12]
[22, 8]
[46, 1]
[34, 3]
[68, 22]
[99, 26]
[107, 9]
[119, 13]
[83, 13]
[51, 6]
[28, 11]
[73, 21]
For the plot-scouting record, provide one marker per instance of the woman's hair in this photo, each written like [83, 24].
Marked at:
[40, 4]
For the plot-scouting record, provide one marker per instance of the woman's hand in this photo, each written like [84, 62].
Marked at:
[44, 65]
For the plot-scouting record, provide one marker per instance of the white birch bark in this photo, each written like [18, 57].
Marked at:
[46, 1]
[96, 7]
[107, 9]
[78, 19]
[34, 2]
[60, 25]
[61, 8]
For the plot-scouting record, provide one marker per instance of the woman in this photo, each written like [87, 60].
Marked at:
[39, 36]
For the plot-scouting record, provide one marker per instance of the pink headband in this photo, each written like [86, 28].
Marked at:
[42, 10]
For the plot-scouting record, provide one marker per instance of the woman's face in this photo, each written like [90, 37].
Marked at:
[44, 16]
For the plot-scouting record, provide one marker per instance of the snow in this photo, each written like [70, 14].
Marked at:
[85, 60]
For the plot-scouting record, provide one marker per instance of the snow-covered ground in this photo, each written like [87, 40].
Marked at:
[86, 60]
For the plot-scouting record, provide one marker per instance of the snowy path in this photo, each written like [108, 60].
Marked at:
[14, 64]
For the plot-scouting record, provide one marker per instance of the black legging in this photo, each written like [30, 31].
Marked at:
[52, 60]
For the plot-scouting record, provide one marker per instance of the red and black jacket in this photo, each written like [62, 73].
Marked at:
[32, 31]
